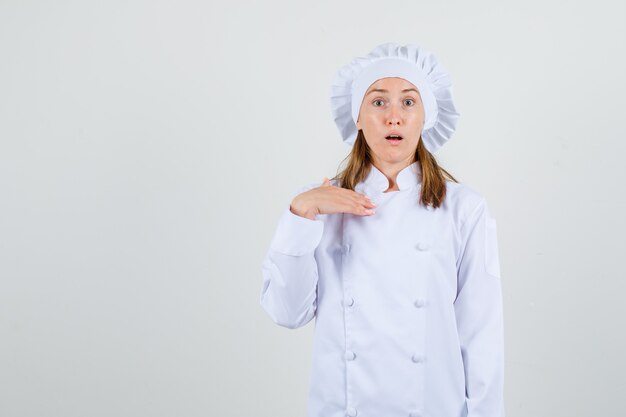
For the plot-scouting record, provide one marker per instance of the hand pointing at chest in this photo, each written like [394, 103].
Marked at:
[327, 199]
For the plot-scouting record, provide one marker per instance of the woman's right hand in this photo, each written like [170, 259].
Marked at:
[328, 198]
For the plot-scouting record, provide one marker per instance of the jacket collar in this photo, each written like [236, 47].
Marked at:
[376, 182]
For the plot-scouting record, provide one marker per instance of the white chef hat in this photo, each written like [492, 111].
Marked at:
[416, 65]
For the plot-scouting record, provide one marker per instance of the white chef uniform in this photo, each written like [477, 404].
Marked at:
[407, 302]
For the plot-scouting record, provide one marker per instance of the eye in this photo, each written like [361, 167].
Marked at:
[410, 101]
[377, 101]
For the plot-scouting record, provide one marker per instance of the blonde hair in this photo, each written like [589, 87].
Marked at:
[433, 191]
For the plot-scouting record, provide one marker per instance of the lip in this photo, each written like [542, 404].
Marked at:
[394, 142]
[394, 133]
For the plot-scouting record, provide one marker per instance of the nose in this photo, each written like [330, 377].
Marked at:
[393, 116]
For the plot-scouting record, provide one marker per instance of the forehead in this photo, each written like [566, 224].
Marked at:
[391, 83]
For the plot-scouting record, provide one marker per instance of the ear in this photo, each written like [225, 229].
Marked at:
[358, 124]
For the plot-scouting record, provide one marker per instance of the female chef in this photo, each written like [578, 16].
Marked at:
[396, 260]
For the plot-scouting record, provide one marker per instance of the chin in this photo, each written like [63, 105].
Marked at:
[394, 158]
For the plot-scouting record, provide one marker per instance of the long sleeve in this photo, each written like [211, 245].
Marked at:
[289, 291]
[479, 315]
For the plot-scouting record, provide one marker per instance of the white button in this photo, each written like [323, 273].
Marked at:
[350, 355]
[415, 414]
[349, 301]
[418, 358]
[351, 411]
[419, 302]
[422, 246]
[345, 248]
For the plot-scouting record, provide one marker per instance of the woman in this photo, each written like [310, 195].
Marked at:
[396, 260]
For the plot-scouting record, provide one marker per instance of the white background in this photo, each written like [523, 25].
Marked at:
[148, 148]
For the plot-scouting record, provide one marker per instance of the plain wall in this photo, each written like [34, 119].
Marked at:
[147, 149]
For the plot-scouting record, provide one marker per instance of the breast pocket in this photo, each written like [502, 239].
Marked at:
[492, 260]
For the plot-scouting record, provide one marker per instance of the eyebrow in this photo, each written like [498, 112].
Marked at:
[381, 90]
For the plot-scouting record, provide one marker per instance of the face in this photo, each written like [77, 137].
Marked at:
[391, 106]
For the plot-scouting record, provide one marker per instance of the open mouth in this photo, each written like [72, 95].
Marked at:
[394, 138]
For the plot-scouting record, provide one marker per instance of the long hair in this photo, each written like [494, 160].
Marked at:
[433, 191]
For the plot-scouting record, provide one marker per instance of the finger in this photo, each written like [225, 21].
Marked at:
[364, 211]
[360, 210]
[365, 196]
[367, 201]
[361, 199]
